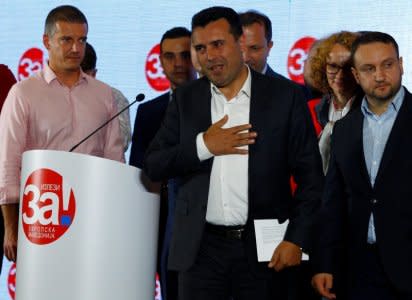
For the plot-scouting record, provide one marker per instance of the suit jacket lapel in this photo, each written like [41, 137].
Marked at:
[201, 105]
[358, 145]
[395, 137]
[257, 109]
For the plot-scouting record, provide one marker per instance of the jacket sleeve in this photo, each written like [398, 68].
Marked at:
[172, 153]
[330, 223]
[306, 168]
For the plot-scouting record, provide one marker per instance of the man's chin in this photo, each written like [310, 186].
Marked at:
[72, 68]
[384, 97]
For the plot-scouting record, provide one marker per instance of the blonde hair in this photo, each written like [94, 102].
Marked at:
[318, 60]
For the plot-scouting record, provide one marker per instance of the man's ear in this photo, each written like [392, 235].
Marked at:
[46, 41]
[241, 40]
[355, 74]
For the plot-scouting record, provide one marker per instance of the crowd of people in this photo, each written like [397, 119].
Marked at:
[223, 147]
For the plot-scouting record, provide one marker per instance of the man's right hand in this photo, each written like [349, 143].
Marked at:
[323, 283]
[222, 141]
[11, 220]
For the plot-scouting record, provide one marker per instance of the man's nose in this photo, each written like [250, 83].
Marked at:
[379, 74]
[77, 46]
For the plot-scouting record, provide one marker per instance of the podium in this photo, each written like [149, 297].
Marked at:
[87, 229]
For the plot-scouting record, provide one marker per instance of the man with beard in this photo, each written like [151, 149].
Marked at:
[177, 66]
[366, 206]
[234, 137]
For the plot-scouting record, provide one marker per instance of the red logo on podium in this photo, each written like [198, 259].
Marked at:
[31, 61]
[48, 207]
[11, 281]
[154, 71]
[158, 294]
[297, 56]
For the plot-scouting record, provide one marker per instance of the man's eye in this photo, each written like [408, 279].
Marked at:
[168, 56]
[185, 55]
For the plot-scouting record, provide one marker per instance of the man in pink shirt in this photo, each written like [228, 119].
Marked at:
[6, 82]
[54, 109]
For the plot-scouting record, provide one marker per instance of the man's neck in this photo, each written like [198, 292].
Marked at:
[67, 77]
[232, 89]
[265, 68]
[378, 107]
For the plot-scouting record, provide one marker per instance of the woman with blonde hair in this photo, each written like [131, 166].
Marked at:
[330, 72]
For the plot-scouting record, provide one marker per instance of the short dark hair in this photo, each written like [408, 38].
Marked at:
[175, 33]
[251, 17]
[65, 13]
[368, 37]
[211, 14]
[89, 60]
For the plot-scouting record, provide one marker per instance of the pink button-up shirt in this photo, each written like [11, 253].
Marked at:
[42, 113]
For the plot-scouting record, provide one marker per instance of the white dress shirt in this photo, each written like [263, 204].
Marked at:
[228, 191]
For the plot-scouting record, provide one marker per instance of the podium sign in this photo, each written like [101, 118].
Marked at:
[87, 229]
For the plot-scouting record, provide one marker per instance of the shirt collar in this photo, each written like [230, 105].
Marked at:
[49, 75]
[245, 89]
[395, 104]
[265, 69]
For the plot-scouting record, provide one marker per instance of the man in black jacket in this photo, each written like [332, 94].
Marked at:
[234, 138]
[177, 66]
[366, 208]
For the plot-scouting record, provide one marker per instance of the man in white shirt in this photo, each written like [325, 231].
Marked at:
[234, 138]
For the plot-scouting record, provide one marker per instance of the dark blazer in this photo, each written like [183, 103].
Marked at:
[306, 91]
[322, 108]
[149, 116]
[349, 199]
[270, 72]
[286, 144]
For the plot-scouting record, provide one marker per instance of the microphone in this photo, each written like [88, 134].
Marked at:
[139, 98]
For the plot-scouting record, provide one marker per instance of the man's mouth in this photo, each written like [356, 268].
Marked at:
[216, 68]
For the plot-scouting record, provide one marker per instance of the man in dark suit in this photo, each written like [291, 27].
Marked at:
[177, 66]
[257, 31]
[234, 137]
[178, 69]
[367, 200]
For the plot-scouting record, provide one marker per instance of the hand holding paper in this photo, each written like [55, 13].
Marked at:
[272, 248]
[286, 254]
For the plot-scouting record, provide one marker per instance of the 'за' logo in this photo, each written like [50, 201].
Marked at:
[48, 207]
[296, 58]
[154, 72]
[11, 281]
[30, 62]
